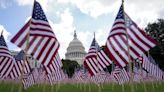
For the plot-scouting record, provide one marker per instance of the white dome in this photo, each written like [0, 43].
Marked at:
[75, 50]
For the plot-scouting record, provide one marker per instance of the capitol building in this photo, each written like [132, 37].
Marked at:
[75, 50]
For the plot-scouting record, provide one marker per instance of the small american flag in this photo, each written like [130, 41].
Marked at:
[90, 61]
[6, 59]
[20, 62]
[28, 80]
[43, 44]
[120, 75]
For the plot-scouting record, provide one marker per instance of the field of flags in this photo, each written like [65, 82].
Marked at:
[124, 51]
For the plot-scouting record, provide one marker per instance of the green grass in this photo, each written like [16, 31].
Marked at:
[11, 87]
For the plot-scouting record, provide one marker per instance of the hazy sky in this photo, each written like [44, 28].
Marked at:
[84, 16]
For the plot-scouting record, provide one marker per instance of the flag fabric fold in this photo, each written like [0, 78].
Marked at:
[43, 44]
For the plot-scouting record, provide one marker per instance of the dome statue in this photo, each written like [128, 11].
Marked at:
[75, 50]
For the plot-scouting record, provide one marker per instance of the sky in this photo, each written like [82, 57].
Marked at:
[84, 16]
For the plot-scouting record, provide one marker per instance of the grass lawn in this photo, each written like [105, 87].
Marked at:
[155, 87]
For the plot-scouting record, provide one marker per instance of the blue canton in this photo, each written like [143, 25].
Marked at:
[120, 13]
[38, 13]
[2, 41]
[20, 56]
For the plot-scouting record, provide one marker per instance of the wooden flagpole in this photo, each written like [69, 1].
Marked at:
[52, 88]
[130, 62]
[27, 45]
[99, 88]
[144, 86]
[152, 81]
[123, 89]
[111, 73]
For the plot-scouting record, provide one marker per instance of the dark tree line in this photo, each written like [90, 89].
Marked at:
[156, 31]
[69, 67]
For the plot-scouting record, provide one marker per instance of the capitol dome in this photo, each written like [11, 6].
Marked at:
[75, 50]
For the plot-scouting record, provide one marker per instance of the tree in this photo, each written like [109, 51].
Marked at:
[156, 31]
[69, 67]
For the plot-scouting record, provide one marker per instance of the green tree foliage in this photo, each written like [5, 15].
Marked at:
[156, 31]
[69, 67]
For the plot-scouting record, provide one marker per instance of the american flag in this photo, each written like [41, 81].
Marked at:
[54, 66]
[96, 59]
[90, 61]
[19, 63]
[103, 59]
[28, 80]
[120, 75]
[153, 69]
[124, 28]
[6, 59]
[43, 44]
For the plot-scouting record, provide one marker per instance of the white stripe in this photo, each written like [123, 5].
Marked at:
[118, 25]
[116, 32]
[119, 20]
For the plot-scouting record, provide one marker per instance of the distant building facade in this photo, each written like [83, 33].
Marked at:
[31, 60]
[75, 50]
